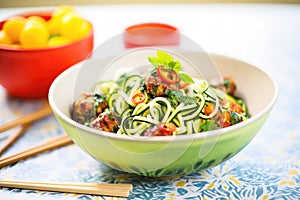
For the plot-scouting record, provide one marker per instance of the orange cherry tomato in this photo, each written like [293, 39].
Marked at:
[236, 108]
[225, 119]
[167, 75]
[138, 98]
[209, 108]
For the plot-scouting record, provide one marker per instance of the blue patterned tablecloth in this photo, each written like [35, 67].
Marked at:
[268, 168]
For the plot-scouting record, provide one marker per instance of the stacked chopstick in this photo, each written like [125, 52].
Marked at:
[44, 111]
[107, 189]
[121, 190]
[49, 145]
[24, 122]
[13, 138]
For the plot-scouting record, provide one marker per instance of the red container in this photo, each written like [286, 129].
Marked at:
[151, 34]
[28, 73]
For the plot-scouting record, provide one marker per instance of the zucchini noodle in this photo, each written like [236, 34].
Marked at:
[188, 117]
[165, 101]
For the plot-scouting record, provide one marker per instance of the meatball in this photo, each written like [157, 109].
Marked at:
[87, 107]
[106, 121]
[229, 85]
[157, 88]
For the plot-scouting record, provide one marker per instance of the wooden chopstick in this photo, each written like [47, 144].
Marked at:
[107, 189]
[13, 138]
[42, 112]
[49, 145]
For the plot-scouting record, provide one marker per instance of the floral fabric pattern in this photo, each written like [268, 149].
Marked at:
[263, 170]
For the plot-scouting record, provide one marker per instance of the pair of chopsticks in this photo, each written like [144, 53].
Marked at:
[46, 146]
[24, 122]
[120, 190]
[107, 189]
[42, 112]
[13, 138]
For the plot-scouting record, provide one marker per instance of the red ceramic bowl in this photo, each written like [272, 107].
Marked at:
[151, 34]
[28, 73]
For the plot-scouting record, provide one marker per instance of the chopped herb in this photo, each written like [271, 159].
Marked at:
[178, 95]
[226, 83]
[99, 97]
[208, 125]
[235, 117]
[154, 90]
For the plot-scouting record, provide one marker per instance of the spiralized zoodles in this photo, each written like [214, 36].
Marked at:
[164, 102]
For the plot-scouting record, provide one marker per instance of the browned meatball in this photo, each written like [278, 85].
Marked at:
[87, 107]
[229, 85]
[157, 88]
[106, 122]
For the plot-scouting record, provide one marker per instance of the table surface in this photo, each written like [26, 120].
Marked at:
[268, 168]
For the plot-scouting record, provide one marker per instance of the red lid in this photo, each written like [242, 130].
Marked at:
[151, 34]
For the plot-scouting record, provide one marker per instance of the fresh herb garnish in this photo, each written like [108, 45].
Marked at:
[178, 95]
[226, 83]
[168, 61]
[185, 78]
[234, 117]
[99, 98]
[208, 125]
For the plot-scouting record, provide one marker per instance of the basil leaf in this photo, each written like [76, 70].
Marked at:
[154, 61]
[185, 78]
[175, 65]
[166, 60]
[164, 57]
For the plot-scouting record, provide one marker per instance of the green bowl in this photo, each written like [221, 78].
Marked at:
[167, 155]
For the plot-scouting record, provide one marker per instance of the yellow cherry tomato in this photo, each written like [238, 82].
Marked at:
[38, 19]
[34, 35]
[4, 39]
[58, 41]
[55, 23]
[64, 27]
[62, 10]
[13, 28]
[74, 27]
